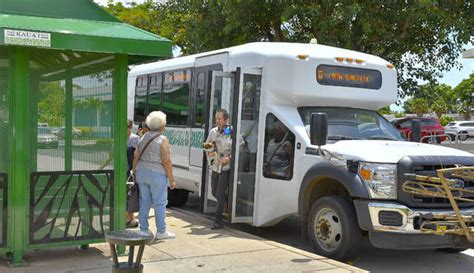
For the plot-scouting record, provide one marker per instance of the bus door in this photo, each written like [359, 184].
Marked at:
[221, 96]
[242, 192]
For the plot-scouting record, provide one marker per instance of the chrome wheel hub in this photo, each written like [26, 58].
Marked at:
[328, 229]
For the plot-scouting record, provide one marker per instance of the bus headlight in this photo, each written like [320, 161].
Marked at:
[380, 179]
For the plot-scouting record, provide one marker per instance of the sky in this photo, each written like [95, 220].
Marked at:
[452, 77]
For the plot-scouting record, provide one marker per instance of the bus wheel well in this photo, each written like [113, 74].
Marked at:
[319, 188]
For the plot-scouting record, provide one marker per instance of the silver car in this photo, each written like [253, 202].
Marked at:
[462, 129]
[46, 139]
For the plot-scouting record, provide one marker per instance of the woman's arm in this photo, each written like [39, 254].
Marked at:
[135, 160]
[166, 160]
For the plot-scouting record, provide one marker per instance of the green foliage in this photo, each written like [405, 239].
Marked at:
[439, 107]
[384, 111]
[464, 91]
[421, 38]
[104, 141]
[445, 120]
[51, 103]
[399, 115]
[439, 96]
[417, 106]
[101, 144]
[85, 131]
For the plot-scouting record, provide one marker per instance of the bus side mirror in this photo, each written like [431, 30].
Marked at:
[416, 130]
[319, 129]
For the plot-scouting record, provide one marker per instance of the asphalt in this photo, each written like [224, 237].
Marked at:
[196, 248]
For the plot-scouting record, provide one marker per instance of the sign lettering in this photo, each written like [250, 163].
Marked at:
[28, 38]
[348, 76]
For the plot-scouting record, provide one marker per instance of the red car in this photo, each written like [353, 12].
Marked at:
[429, 127]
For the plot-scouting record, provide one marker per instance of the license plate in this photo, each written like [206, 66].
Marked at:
[441, 228]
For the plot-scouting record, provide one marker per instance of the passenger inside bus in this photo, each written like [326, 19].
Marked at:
[278, 160]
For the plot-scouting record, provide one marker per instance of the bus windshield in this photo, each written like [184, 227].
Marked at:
[351, 123]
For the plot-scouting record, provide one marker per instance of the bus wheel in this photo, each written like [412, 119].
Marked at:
[451, 250]
[333, 228]
[177, 197]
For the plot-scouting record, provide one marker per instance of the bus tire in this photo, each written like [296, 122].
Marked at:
[177, 197]
[451, 250]
[333, 228]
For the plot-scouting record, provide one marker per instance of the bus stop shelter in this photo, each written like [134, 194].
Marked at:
[63, 100]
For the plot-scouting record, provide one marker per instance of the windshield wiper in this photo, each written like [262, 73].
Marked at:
[340, 137]
[381, 138]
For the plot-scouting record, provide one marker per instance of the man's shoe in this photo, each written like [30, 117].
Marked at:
[217, 226]
[132, 224]
[165, 235]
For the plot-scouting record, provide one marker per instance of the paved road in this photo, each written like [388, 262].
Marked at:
[53, 159]
[467, 145]
[369, 258]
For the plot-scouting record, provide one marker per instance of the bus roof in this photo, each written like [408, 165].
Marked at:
[263, 49]
[290, 72]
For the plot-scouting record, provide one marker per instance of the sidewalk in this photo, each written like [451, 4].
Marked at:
[196, 248]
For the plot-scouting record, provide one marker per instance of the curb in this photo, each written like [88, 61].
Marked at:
[208, 222]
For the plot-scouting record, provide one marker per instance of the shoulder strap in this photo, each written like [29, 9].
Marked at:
[146, 146]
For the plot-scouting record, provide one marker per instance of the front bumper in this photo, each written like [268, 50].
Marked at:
[405, 233]
[409, 217]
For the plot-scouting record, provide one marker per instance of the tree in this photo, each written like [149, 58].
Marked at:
[385, 110]
[437, 94]
[418, 106]
[421, 38]
[51, 103]
[464, 91]
[439, 107]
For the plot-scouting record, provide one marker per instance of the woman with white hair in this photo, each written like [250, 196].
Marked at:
[152, 163]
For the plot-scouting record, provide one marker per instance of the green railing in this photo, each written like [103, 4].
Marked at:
[71, 206]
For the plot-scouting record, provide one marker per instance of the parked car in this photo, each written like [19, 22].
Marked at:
[464, 129]
[429, 127]
[61, 132]
[46, 139]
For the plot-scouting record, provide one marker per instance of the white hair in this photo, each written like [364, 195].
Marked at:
[156, 120]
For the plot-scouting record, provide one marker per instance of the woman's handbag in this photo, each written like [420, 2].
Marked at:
[132, 198]
[133, 194]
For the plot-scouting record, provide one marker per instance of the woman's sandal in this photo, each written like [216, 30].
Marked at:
[132, 224]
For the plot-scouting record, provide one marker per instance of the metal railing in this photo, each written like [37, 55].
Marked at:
[70, 206]
[441, 137]
[447, 184]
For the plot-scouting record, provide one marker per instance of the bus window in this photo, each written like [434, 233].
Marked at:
[200, 97]
[176, 86]
[140, 98]
[278, 150]
[154, 93]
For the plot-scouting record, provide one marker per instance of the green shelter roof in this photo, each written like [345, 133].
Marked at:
[74, 25]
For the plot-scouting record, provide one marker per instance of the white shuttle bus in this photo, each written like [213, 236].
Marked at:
[347, 185]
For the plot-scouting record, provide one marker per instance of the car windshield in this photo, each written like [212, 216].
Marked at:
[428, 122]
[44, 131]
[351, 123]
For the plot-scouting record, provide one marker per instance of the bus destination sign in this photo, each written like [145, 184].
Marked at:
[348, 76]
